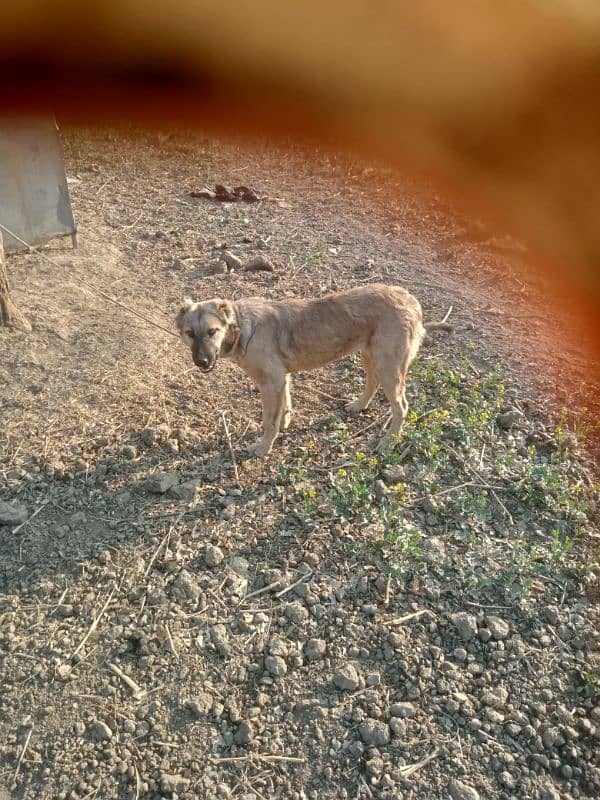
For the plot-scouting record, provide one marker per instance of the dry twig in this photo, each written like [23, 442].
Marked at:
[408, 617]
[95, 622]
[228, 437]
[412, 768]
[289, 588]
[137, 690]
[27, 521]
[22, 755]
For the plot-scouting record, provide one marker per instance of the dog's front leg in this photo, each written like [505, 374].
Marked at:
[273, 395]
[286, 417]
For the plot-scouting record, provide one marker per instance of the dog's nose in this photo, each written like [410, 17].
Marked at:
[201, 362]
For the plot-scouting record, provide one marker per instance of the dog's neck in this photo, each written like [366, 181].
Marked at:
[230, 341]
[232, 337]
[239, 334]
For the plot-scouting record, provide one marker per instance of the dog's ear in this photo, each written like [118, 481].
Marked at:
[185, 307]
[225, 309]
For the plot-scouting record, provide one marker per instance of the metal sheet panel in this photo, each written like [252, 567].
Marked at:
[34, 197]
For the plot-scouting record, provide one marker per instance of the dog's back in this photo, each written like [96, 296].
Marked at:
[311, 333]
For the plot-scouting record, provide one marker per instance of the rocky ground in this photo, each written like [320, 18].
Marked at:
[179, 621]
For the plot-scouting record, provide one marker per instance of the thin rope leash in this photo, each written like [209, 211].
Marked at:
[89, 286]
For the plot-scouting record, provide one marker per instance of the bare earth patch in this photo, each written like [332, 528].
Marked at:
[322, 624]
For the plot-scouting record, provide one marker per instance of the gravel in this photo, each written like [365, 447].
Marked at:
[268, 628]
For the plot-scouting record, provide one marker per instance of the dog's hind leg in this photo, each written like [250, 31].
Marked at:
[371, 386]
[286, 417]
[393, 382]
[273, 403]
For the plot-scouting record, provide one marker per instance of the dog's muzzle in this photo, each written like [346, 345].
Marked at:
[205, 364]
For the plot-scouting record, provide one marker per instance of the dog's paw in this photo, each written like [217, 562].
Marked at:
[354, 407]
[259, 450]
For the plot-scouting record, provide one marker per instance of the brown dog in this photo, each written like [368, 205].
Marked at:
[270, 339]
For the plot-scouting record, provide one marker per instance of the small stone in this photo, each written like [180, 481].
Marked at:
[173, 783]
[374, 766]
[398, 726]
[315, 649]
[220, 639]
[508, 419]
[374, 733]
[495, 697]
[566, 771]
[403, 710]
[551, 614]
[356, 749]
[184, 588]
[161, 482]
[99, 732]
[200, 705]
[240, 565]
[128, 726]
[213, 555]
[233, 262]
[277, 646]
[12, 513]
[259, 263]
[465, 624]
[346, 678]
[128, 451]
[552, 737]
[79, 728]
[507, 780]
[186, 491]
[393, 474]
[460, 654]
[370, 609]
[244, 733]
[297, 613]
[499, 628]
[276, 665]
[142, 728]
[148, 436]
[461, 791]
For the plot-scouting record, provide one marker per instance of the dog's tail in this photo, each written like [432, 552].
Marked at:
[438, 326]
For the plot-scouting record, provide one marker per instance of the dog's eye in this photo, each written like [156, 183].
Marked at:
[212, 331]
[190, 334]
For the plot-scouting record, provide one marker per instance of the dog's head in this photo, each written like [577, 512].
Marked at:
[209, 328]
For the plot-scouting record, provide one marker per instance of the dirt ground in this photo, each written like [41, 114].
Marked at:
[177, 620]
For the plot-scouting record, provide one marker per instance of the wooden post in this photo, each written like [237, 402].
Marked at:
[9, 313]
